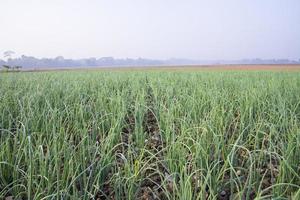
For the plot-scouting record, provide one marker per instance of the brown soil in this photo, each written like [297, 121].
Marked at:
[266, 67]
[127, 130]
[151, 187]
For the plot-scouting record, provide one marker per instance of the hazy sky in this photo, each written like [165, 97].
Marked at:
[195, 29]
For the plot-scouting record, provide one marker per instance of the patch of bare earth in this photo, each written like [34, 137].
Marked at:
[153, 185]
[120, 152]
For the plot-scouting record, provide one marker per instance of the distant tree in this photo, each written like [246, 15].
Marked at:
[6, 67]
[12, 68]
[8, 54]
[17, 68]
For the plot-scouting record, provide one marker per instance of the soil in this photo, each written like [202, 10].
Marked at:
[151, 187]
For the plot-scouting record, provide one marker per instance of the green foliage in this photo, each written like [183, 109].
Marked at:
[12, 68]
[6, 67]
[83, 135]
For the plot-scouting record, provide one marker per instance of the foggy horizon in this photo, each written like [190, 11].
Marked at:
[16, 55]
[195, 30]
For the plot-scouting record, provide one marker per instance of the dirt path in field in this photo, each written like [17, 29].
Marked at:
[120, 153]
[183, 68]
[153, 185]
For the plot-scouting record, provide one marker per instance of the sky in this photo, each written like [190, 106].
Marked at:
[156, 29]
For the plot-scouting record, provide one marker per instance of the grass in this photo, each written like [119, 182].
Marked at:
[150, 135]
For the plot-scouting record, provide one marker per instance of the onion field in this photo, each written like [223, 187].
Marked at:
[147, 135]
